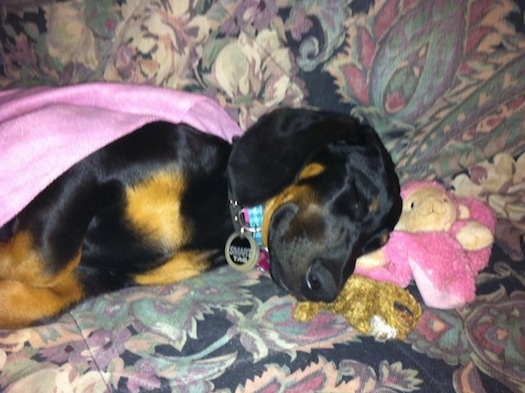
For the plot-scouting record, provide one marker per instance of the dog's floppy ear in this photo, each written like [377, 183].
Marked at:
[271, 153]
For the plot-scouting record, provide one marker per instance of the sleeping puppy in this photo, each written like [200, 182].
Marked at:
[153, 208]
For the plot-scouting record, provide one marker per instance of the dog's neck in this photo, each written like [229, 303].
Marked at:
[244, 249]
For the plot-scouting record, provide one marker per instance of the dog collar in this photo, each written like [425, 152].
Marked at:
[253, 217]
[244, 249]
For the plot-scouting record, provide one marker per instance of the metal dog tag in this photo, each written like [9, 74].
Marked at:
[242, 251]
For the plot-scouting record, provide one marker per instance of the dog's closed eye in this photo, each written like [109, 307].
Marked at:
[376, 241]
[355, 205]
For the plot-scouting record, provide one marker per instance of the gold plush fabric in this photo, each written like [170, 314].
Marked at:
[365, 303]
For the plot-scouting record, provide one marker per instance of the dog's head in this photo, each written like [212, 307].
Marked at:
[330, 193]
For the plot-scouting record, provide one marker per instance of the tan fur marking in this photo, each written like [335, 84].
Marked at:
[300, 194]
[18, 258]
[29, 293]
[21, 261]
[312, 169]
[374, 206]
[181, 266]
[153, 207]
[22, 305]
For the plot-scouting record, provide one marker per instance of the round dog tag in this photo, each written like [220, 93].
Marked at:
[242, 251]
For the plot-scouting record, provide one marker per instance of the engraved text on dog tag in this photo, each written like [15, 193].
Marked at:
[242, 251]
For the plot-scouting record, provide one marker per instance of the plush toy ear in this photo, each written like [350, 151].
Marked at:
[271, 153]
[464, 212]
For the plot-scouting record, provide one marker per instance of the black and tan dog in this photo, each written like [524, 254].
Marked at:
[152, 208]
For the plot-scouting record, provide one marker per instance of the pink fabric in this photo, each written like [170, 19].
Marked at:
[45, 130]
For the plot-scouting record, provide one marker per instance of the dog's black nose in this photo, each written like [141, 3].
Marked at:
[319, 283]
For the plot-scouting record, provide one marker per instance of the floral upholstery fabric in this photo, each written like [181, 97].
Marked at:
[443, 83]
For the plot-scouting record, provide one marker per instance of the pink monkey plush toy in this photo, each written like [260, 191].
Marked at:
[441, 242]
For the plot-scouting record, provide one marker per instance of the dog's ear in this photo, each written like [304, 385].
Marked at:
[271, 153]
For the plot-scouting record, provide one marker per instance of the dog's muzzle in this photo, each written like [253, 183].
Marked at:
[308, 260]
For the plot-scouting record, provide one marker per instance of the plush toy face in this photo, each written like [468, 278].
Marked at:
[427, 208]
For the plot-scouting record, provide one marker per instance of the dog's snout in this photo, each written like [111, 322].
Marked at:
[319, 283]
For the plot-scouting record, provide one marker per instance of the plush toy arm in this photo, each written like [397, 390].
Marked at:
[388, 264]
[480, 212]
[474, 236]
[372, 260]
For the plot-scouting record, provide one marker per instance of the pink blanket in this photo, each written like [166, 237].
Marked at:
[44, 131]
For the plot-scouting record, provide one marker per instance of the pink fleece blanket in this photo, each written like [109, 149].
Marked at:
[45, 130]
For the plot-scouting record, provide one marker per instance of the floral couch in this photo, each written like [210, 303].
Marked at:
[442, 81]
